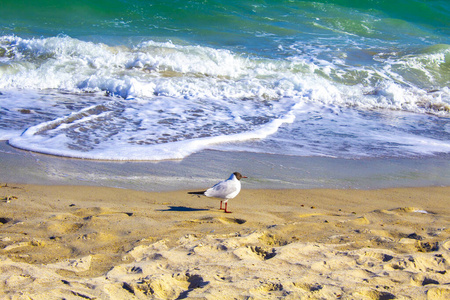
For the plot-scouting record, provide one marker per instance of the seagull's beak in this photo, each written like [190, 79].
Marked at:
[244, 177]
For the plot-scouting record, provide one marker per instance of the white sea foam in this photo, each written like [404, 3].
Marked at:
[342, 132]
[157, 101]
[164, 69]
[32, 140]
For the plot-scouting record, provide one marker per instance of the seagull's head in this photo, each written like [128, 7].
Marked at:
[239, 175]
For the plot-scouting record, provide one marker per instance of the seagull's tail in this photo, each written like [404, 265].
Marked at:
[197, 193]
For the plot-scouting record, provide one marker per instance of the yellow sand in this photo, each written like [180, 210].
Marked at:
[101, 243]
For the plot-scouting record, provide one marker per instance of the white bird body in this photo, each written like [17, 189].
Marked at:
[226, 189]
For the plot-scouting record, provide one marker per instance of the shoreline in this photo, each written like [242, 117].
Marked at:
[86, 242]
[207, 167]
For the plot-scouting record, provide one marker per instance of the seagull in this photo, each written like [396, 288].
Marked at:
[227, 189]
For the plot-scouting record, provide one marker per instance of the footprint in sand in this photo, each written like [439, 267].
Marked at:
[446, 245]
[166, 286]
[310, 287]
[360, 221]
[89, 213]
[5, 220]
[223, 220]
[231, 220]
[8, 199]
[265, 254]
[255, 252]
[60, 228]
[438, 293]
[380, 255]
[373, 294]
[223, 278]
[268, 287]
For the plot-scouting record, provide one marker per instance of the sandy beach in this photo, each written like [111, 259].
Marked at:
[81, 242]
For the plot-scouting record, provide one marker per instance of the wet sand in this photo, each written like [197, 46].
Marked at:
[82, 242]
[265, 171]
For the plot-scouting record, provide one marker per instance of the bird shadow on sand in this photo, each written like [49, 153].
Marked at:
[182, 208]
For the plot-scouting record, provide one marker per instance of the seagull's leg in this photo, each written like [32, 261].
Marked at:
[221, 205]
[226, 203]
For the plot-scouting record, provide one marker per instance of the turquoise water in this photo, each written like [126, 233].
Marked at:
[257, 25]
[153, 80]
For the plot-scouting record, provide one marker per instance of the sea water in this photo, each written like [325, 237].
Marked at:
[157, 80]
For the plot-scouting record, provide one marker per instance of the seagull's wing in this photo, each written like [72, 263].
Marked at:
[221, 189]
